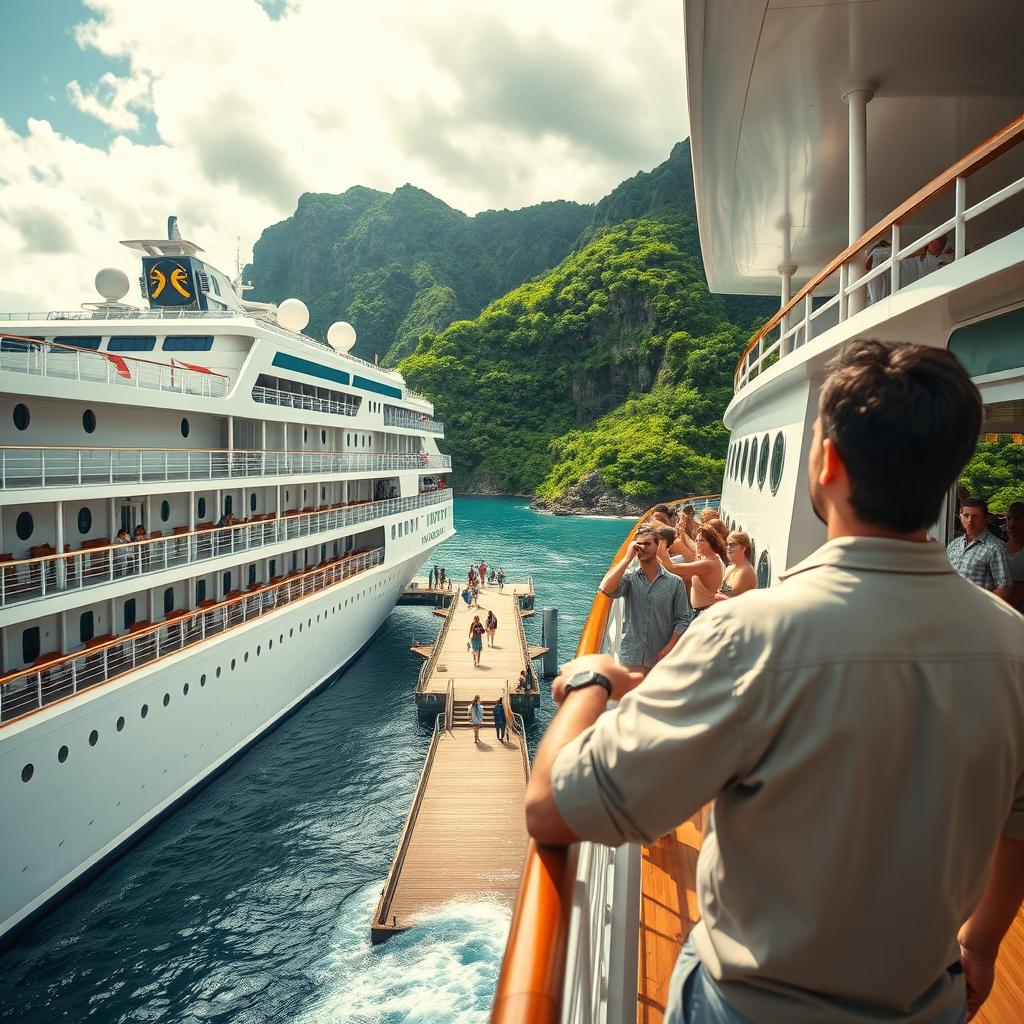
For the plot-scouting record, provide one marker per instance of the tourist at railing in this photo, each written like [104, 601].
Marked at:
[123, 561]
[704, 573]
[661, 515]
[858, 729]
[977, 555]
[656, 609]
[740, 576]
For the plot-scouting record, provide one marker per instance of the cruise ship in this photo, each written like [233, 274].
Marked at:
[205, 516]
[864, 161]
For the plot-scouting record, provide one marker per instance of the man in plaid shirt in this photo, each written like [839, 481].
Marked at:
[977, 555]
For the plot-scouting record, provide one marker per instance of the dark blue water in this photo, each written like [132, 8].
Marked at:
[253, 902]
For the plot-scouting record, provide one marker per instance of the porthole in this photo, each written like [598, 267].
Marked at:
[62, 754]
[167, 699]
[743, 459]
[764, 571]
[144, 710]
[323, 437]
[762, 463]
[21, 416]
[201, 508]
[27, 772]
[258, 649]
[305, 435]
[24, 526]
[84, 520]
[245, 657]
[185, 428]
[778, 460]
[202, 679]
[291, 632]
[252, 502]
[218, 672]
[165, 511]
[120, 723]
[270, 645]
[752, 467]
[89, 421]
[232, 664]
[94, 738]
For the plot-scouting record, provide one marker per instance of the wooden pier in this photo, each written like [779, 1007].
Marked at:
[465, 834]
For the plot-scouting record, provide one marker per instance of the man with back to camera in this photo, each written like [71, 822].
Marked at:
[860, 729]
[977, 555]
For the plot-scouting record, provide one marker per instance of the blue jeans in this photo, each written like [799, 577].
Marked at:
[694, 998]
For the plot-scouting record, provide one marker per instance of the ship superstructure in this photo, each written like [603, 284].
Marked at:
[286, 492]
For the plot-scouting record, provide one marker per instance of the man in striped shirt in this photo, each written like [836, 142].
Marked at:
[978, 556]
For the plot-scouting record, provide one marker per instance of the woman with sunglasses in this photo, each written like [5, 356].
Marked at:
[739, 577]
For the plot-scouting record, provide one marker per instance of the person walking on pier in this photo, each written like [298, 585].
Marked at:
[430, 579]
[476, 641]
[492, 626]
[501, 580]
[483, 573]
[500, 721]
[476, 717]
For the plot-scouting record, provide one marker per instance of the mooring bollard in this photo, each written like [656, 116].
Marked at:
[549, 639]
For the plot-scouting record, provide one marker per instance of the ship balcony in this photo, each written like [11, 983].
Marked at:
[395, 417]
[71, 572]
[56, 677]
[23, 468]
[48, 359]
[967, 213]
[291, 400]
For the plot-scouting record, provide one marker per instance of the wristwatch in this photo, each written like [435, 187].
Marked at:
[581, 680]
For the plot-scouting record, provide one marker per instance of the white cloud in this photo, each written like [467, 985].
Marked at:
[485, 106]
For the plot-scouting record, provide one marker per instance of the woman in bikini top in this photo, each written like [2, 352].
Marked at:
[704, 573]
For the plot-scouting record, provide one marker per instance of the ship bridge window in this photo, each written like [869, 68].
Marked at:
[188, 343]
[92, 342]
[135, 343]
[990, 346]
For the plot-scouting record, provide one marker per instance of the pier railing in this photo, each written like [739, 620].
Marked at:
[25, 467]
[59, 677]
[290, 400]
[572, 944]
[33, 579]
[798, 322]
[427, 669]
[523, 643]
[37, 358]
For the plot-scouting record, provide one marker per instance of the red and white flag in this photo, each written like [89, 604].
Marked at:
[120, 365]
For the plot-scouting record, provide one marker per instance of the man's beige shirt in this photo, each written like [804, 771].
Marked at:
[860, 729]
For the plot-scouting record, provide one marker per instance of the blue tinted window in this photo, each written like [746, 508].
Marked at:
[187, 343]
[132, 344]
[93, 342]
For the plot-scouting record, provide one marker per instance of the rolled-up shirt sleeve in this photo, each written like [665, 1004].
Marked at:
[668, 748]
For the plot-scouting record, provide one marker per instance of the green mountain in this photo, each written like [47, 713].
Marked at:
[599, 384]
[398, 265]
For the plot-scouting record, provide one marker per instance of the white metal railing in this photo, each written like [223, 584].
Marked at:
[895, 266]
[158, 313]
[270, 396]
[33, 579]
[395, 417]
[45, 359]
[50, 467]
[29, 689]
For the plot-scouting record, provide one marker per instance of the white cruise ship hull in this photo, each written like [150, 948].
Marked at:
[76, 814]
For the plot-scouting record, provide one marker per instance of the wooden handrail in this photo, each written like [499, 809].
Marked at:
[529, 989]
[193, 613]
[1006, 138]
[103, 353]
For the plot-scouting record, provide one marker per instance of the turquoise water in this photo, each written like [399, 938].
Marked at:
[252, 903]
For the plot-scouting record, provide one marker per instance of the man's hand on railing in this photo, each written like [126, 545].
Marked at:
[622, 679]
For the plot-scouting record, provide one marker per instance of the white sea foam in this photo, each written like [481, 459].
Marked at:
[442, 971]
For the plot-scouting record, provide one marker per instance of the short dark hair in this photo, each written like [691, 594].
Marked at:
[666, 533]
[651, 530]
[663, 509]
[975, 502]
[689, 510]
[905, 419]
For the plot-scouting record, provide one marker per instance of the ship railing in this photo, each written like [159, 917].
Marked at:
[38, 358]
[571, 956]
[290, 400]
[33, 579]
[59, 677]
[24, 467]
[133, 313]
[394, 417]
[799, 321]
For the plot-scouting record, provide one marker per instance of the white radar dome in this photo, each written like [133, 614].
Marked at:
[341, 336]
[292, 315]
[112, 284]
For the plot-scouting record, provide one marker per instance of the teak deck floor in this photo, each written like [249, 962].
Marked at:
[469, 838]
[668, 910]
[498, 665]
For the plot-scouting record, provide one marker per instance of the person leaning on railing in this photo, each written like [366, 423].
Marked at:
[860, 729]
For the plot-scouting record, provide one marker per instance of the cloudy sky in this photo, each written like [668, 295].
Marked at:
[116, 113]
